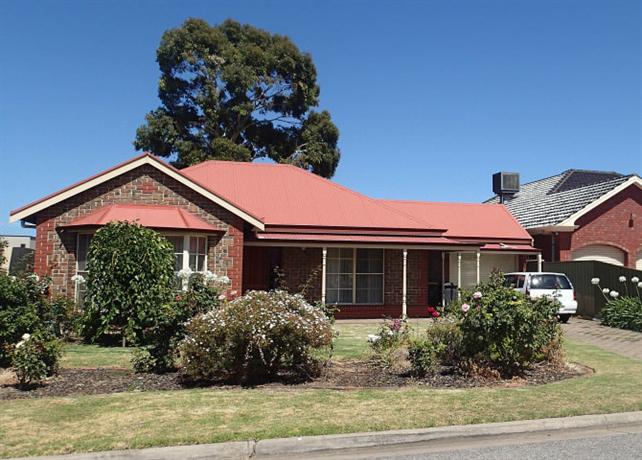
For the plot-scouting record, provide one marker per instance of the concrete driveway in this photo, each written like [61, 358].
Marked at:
[627, 343]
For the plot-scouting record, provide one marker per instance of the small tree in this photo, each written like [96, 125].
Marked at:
[130, 270]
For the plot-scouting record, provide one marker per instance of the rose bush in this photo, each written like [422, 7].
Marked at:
[35, 357]
[502, 329]
[23, 309]
[255, 338]
[439, 346]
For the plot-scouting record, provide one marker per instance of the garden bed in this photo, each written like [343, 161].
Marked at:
[343, 375]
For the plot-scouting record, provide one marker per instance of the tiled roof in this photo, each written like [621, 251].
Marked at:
[551, 200]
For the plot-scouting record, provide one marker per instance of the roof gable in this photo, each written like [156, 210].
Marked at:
[553, 200]
[25, 212]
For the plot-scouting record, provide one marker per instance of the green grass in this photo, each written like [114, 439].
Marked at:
[136, 420]
[95, 356]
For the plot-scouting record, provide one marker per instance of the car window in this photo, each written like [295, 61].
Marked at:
[520, 281]
[550, 282]
[510, 281]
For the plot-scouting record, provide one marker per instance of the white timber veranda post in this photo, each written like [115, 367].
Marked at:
[324, 258]
[478, 274]
[539, 261]
[404, 305]
[459, 275]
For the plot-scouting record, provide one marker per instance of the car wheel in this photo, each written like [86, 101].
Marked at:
[564, 318]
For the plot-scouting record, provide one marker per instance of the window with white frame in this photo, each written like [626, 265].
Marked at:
[189, 252]
[354, 276]
[82, 248]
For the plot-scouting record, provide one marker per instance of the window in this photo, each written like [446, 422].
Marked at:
[514, 281]
[189, 252]
[197, 253]
[550, 282]
[354, 276]
[82, 247]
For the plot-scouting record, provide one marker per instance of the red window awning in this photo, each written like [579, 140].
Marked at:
[152, 216]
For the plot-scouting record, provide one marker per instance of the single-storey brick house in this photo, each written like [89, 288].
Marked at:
[370, 257]
[583, 215]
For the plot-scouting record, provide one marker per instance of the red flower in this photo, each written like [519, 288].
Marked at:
[431, 309]
[435, 314]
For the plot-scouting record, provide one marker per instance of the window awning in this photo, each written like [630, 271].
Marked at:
[152, 216]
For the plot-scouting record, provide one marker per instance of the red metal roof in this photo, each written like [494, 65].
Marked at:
[467, 220]
[289, 196]
[390, 239]
[152, 216]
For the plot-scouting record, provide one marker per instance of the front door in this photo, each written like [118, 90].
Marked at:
[259, 268]
[435, 277]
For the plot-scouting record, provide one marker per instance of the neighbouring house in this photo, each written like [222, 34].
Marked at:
[17, 253]
[582, 215]
[250, 221]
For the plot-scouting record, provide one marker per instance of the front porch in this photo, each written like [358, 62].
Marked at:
[370, 281]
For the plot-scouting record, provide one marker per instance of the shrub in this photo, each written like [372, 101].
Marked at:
[440, 345]
[623, 312]
[130, 271]
[504, 330]
[4, 244]
[35, 357]
[62, 316]
[161, 340]
[388, 343]
[22, 309]
[254, 338]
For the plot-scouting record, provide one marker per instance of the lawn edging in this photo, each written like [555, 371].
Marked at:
[335, 443]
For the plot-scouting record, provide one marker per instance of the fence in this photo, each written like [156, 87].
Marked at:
[589, 299]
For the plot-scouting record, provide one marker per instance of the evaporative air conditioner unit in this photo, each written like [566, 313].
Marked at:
[505, 184]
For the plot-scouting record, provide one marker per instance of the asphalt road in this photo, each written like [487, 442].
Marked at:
[619, 443]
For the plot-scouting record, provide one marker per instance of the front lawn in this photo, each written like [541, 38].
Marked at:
[95, 356]
[143, 419]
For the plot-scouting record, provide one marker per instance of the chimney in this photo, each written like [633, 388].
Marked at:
[505, 185]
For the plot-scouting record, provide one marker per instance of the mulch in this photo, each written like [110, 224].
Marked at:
[340, 375]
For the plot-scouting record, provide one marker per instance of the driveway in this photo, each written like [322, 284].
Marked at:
[627, 343]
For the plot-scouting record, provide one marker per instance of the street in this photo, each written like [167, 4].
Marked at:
[595, 443]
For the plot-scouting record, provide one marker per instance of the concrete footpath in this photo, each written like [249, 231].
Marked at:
[336, 444]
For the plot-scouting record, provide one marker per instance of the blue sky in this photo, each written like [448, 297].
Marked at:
[430, 97]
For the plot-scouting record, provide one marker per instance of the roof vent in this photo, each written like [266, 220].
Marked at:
[505, 184]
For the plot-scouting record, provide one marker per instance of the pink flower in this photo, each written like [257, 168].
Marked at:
[465, 307]
[477, 295]
[221, 297]
[435, 314]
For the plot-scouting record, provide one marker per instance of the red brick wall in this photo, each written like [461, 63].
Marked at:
[297, 266]
[56, 248]
[610, 224]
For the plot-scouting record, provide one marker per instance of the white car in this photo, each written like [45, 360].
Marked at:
[538, 284]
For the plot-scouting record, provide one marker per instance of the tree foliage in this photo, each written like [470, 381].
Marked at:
[129, 273]
[236, 92]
